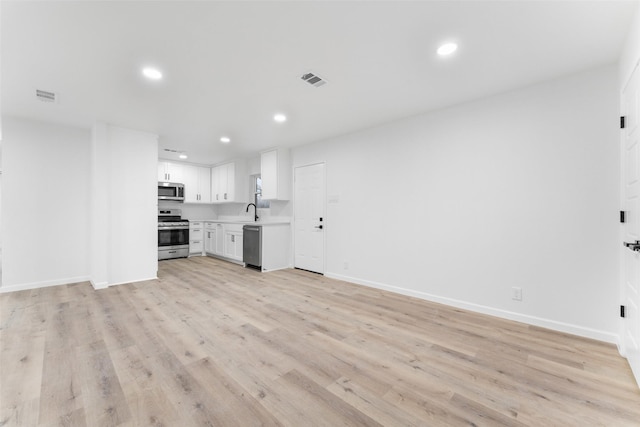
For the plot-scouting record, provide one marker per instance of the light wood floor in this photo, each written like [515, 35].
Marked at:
[213, 344]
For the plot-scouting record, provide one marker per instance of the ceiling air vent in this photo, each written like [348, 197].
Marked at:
[46, 96]
[313, 79]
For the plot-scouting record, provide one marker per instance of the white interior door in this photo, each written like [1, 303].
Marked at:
[308, 217]
[631, 226]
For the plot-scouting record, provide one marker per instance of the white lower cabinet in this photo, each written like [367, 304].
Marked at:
[219, 239]
[233, 242]
[276, 247]
[210, 238]
[223, 240]
[196, 238]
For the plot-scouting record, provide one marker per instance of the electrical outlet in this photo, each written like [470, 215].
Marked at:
[346, 265]
[516, 293]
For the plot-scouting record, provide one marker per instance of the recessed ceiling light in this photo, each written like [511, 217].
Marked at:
[447, 49]
[183, 156]
[152, 73]
[280, 118]
[225, 139]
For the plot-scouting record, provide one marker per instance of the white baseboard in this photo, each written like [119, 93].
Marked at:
[505, 314]
[99, 285]
[44, 284]
[131, 281]
[68, 281]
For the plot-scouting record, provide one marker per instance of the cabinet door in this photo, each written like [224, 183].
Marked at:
[210, 241]
[190, 181]
[204, 185]
[269, 174]
[175, 171]
[219, 249]
[223, 182]
[275, 170]
[233, 245]
[229, 244]
[228, 183]
[215, 185]
[239, 246]
[170, 172]
[230, 194]
[163, 171]
[197, 184]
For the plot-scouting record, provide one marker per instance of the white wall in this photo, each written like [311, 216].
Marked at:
[45, 209]
[125, 187]
[72, 213]
[631, 51]
[460, 205]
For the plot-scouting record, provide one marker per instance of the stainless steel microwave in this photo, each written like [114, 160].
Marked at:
[170, 191]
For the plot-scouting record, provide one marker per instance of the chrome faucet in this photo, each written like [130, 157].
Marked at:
[255, 211]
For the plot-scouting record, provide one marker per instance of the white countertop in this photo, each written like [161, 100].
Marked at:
[243, 222]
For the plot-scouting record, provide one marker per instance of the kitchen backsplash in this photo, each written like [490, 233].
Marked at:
[191, 211]
[279, 209]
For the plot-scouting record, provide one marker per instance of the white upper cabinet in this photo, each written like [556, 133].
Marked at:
[228, 183]
[170, 172]
[197, 184]
[204, 184]
[275, 170]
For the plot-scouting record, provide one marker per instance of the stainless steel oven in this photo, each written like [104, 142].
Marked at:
[173, 234]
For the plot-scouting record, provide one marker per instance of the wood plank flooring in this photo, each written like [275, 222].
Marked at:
[213, 344]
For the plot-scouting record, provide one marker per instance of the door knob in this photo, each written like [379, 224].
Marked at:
[633, 246]
[318, 226]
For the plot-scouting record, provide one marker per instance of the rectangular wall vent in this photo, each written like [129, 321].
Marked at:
[46, 96]
[313, 79]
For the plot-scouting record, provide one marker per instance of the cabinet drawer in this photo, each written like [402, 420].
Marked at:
[209, 225]
[196, 246]
[195, 224]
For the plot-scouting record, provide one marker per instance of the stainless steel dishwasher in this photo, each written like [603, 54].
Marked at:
[252, 246]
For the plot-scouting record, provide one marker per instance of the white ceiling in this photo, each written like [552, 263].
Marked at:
[229, 66]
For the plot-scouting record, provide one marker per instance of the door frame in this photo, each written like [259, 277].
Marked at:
[324, 205]
[622, 347]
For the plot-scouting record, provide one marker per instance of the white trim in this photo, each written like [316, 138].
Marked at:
[505, 314]
[131, 281]
[99, 285]
[45, 284]
[69, 281]
[628, 78]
